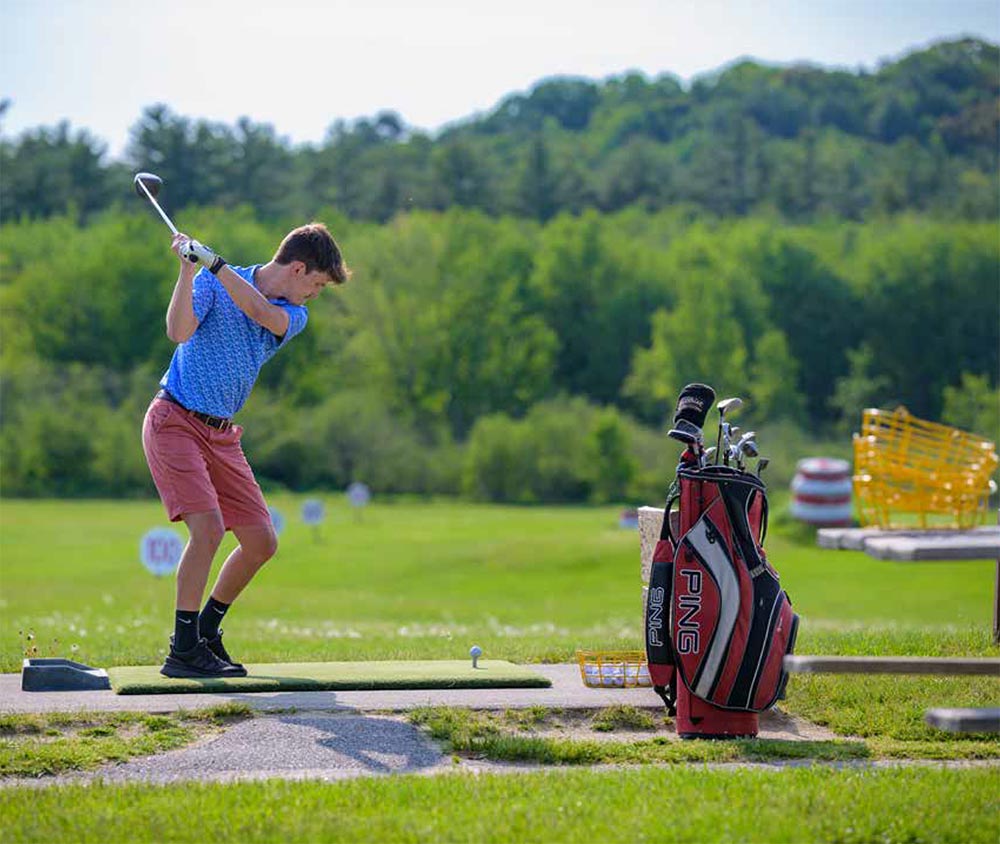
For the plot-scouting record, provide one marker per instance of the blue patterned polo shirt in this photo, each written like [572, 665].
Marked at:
[214, 370]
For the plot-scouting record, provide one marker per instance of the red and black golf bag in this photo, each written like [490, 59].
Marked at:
[718, 624]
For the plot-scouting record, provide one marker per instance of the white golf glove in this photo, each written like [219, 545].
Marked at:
[196, 253]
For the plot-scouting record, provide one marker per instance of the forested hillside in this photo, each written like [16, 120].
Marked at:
[532, 286]
[801, 142]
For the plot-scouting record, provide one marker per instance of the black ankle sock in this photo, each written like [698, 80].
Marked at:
[211, 618]
[185, 630]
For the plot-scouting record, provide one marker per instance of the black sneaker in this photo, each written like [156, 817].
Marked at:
[215, 646]
[198, 662]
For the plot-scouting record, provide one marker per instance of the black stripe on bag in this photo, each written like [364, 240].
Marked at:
[766, 593]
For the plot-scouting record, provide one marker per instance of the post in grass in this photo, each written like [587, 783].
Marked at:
[313, 514]
[358, 495]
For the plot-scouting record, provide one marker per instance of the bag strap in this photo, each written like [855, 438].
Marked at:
[665, 530]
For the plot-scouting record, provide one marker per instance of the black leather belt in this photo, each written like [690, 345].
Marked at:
[220, 423]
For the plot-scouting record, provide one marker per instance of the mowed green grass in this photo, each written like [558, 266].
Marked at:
[648, 804]
[429, 579]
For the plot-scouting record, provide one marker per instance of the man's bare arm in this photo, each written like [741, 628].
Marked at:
[252, 302]
[181, 320]
[247, 298]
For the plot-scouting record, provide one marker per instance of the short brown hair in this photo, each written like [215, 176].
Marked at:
[315, 247]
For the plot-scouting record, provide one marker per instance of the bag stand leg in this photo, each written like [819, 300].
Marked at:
[698, 719]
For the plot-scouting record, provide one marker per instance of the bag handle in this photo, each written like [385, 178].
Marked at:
[665, 530]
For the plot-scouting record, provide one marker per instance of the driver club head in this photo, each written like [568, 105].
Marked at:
[150, 181]
[728, 405]
[725, 406]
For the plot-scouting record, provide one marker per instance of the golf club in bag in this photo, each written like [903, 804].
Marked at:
[718, 623]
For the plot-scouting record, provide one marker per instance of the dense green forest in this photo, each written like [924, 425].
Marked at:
[801, 142]
[519, 324]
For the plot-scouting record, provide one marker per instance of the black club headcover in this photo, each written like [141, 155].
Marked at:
[694, 403]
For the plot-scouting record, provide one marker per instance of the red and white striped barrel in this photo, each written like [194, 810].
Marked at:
[821, 492]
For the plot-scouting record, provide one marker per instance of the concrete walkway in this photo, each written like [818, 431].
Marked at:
[567, 692]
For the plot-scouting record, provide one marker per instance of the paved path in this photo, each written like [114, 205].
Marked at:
[567, 691]
[314, 746]
[337, 746]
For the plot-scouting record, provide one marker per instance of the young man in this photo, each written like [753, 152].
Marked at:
[228, 322]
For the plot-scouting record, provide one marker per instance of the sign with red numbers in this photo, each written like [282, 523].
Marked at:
[160, 551]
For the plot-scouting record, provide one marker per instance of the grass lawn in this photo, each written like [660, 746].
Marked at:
[649, 804]
[426, 580]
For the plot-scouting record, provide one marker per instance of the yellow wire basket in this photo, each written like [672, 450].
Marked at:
[613, 669]
[909, 473]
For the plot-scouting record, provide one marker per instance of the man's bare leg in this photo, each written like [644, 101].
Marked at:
[206, 530]
[257, 545]
[189, 656]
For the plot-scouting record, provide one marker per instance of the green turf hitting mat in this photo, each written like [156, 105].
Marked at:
[336, 676]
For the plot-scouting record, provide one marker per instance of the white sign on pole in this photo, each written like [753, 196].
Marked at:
[160, 550]
[277, 520]
[358, 494]
[312, 511]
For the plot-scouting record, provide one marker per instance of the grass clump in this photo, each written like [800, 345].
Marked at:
[490, 736]
[40, 745]
[622, 717]
[891, 708]
[530, 718]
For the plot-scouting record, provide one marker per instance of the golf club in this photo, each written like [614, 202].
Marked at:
[747, 449]
[762, 465]
[724, 407]
[689, 434]
[727, 436]
[734, 438]
[149, 184]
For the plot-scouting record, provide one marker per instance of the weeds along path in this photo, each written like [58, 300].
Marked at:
[326, 746]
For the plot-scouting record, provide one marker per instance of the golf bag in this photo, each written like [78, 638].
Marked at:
[718, 624]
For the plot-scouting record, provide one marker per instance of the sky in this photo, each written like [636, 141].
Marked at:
[302, 64]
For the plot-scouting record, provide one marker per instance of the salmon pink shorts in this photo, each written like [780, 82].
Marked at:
[197, 468]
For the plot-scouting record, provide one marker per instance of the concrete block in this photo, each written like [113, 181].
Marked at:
[61, 675]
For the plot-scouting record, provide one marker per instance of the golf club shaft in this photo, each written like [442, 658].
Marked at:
[156, 205]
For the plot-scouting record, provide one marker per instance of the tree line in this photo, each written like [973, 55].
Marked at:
[801, 143]
[501, 358]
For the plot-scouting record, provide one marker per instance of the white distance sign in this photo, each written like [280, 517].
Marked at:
[312, 511]
[277, 520]
[358, 494]
[160, 551]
